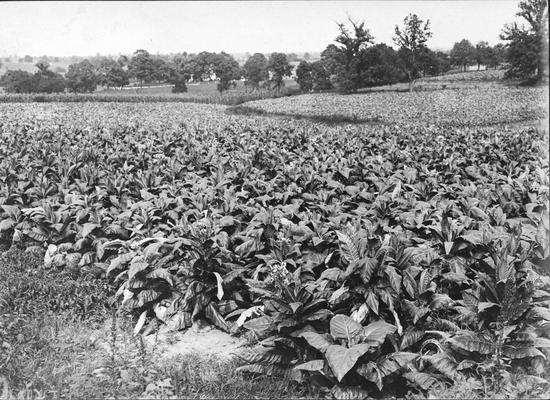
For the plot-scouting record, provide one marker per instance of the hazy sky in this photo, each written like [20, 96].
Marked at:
[86, 28]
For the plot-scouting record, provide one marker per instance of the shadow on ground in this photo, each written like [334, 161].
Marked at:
[333, 119]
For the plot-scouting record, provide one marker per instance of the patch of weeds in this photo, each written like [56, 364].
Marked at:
[60, 339]
[516, 387]
[57, 357]
[27, 288]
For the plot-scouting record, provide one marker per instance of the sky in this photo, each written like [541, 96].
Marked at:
[87, 28]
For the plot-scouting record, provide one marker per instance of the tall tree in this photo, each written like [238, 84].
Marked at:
[304, 76]
[279, 67]
[255, 70]
[527, 48]
[200, 66]
[142, 67]
[47, 81]
[483, 54]
[411, 39]
[499, 55]
[226, 69]
[463, 54]
[382, 66]
[112, 74]
[18, 81]
[351, 43]
[320, 76]
[81, 77]
[177, 74]
[332, 58]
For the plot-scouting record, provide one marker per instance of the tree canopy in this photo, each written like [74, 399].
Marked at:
[411, 39]
[81, 77]
[279, 67]
[255, 70]
[142, 67]
[527, 47]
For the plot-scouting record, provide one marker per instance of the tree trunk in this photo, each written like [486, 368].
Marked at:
[540, 69]
[411, 81]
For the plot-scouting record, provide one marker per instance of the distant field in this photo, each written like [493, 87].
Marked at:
[479, 104]
[193, 89]
[30, 67]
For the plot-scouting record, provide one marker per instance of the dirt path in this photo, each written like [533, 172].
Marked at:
[204, 340]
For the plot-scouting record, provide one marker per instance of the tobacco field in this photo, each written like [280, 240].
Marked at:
[401, 255]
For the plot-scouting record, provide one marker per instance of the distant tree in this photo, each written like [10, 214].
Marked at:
[142, 67]
[27, 59]
[483, 54]
[463, 54]
[307, 56]
[123, 61]
[56, 59]
[527, 48]
[332, 58]
[112, 74]
[320, 76]
[161, 71]
[304, 76]
[7, 59]
[279, 67]
[444, 62]
[102, 69]
[47, 81]
[434, 63]
[499, 55]
[18, 81]
[347, 55]
[382, 66]
[411, 39]
[200, 66]
[60, 70]
[81, 77]
[178, 75]
[255, 70]
[179, 80]
[43, 68]
[226, 69]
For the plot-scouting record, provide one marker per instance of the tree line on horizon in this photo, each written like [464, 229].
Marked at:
[352, 62]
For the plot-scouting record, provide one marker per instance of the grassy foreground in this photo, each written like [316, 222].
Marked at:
[60, 339]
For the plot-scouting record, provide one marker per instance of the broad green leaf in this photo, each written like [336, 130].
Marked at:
[338, 295]
[343, 327]
[470, 342]
[443, 363]
[88, 228]
[341, 359]
[314, 365]
[261, 325]
[347, 248]
[375, 333]
[315, 340]
[136, 267]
